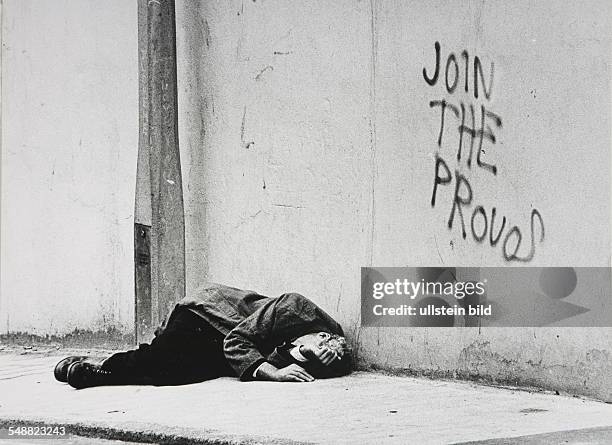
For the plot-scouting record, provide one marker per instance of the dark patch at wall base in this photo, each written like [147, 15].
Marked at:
[514, 384]
[79, 338]
[518, 379]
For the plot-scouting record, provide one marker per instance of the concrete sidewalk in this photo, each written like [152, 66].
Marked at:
[364, 408]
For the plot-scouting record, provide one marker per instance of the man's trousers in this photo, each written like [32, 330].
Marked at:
[188, 350]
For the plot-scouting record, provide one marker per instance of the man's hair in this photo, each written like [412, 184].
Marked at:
[337, 343]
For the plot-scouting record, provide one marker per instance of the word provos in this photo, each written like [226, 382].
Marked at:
[475, 123]
[463, 197]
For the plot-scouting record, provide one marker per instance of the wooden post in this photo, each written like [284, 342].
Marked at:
[159, 216]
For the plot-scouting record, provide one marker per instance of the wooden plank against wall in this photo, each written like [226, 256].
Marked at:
[160, 282]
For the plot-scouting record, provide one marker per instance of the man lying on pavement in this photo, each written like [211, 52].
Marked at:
[224, 331]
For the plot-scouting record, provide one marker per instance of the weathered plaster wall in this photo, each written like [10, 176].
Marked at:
[308, 145]
[69, 147]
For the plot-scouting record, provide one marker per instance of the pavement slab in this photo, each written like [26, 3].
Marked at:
[363, 408]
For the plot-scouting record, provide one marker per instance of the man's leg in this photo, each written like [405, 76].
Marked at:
[188, 350]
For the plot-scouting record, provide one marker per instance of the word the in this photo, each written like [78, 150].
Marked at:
[483, 131]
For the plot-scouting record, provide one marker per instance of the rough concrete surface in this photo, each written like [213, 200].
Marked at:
[68, 440]
[362, 408]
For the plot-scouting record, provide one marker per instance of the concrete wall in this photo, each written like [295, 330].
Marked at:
[308, 146]
[69, 148]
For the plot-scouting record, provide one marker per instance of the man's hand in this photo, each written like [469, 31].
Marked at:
[324, 355]
[291, 373]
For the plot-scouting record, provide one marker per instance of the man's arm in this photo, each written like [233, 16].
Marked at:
[242, 346]
[286, 317]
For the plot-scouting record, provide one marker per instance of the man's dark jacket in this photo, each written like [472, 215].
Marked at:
[259, 328]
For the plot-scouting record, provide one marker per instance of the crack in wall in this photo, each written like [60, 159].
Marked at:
[372, 123]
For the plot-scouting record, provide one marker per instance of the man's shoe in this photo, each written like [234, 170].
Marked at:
[85, 375]
[61, 369]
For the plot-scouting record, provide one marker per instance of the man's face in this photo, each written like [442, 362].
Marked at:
[322, 345]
